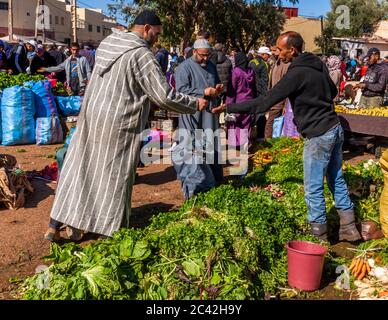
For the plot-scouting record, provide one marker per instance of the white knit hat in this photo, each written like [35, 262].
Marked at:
[202, 44]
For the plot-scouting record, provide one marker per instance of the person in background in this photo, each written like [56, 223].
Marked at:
[56, 54]
[224, 65]
[186, 52]
[198, 77]
[251, 55]
[59, 56]
[42, 59]
[162, 57]
[241, 88]
[261, 68]
[375, 83]
[278, 71]
[364, 68]
[77, 69]
[18, 60]
[4, 67]
[88, 54]
[203, 34]
[343, 68]
[308, 86]
[334, 65]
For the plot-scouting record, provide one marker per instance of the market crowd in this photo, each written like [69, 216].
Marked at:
[71, 65]
[271, 91]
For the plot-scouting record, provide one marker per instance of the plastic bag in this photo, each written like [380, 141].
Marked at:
[18, 111]
[1, 133]
[384, 195]
[48, 130]
[44, 99]
[278, 127]
[70, 106]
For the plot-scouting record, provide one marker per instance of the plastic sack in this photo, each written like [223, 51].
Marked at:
[44, 99]
[289, 128]
[278, 127]
[384, 195]
[70, 106]
[68, 138]
[48, 131]
[1, 133]
[18, 111]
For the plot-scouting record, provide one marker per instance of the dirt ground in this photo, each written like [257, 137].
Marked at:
[21, 239]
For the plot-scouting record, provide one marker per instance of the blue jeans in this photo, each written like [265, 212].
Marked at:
[323, 157]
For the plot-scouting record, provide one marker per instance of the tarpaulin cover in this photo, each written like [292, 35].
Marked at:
[18, 111]
[48, 130]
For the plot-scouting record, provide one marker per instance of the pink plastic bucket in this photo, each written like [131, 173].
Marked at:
[305, 264]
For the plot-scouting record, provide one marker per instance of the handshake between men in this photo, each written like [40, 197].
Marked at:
[209, 92]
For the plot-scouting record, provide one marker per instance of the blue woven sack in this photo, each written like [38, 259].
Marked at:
[18, 111]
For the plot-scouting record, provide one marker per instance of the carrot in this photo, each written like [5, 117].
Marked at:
[363, 271]
[368, 268]
[378, 259]
[383, 294]
[358, 267]
[353, 264]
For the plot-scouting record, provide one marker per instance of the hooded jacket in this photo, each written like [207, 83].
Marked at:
[94, 191]
[224, 68]
[162, 57]
[311, 92]
[242, 83]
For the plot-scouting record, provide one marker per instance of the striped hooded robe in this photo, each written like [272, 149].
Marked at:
[95, 185]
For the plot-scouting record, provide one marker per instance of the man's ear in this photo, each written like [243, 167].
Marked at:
[147, 28]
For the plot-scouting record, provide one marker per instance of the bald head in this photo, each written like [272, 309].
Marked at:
[290, 45]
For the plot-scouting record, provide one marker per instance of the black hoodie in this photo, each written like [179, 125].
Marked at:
[311, 92]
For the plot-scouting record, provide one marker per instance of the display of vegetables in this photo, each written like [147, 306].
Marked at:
[7, 81]
[373, 112]
[228, 243]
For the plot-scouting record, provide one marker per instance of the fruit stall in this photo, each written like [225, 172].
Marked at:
[373, 123]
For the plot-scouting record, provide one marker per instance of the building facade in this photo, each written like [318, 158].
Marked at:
[93, 25]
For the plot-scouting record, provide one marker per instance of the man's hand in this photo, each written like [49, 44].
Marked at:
[41, 70]
[10, 71]
[220, 88]
[211, 92]
[202, 104]
[219, 109]
[359, 86]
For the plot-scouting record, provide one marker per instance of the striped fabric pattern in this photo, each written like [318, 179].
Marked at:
[95, 186]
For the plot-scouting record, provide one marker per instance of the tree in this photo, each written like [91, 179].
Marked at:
[240, 23]
[363, 14]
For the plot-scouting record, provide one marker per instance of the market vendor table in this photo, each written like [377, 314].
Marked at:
[368, 125]
[375, 126]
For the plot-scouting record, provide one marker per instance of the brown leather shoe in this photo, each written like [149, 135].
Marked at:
[52, 235]
[74, 234]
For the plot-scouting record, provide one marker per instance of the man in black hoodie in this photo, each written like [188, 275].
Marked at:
[311, 92]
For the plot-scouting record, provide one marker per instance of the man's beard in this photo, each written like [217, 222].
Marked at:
[203, 64]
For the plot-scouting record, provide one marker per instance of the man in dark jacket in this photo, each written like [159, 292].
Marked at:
[224, 65]
[42, 59]
[375, 83]
[261, 68]
[162, 57]
[311, 91]
[3, 58]
[18, 59]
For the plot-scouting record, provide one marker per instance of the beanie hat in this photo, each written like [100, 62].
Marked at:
[202, 44]
[147, 17]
